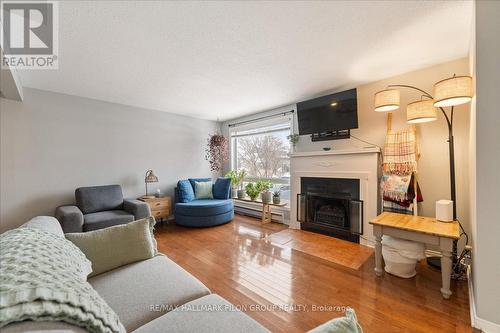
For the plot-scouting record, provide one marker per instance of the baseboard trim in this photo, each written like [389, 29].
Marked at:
[476, 322]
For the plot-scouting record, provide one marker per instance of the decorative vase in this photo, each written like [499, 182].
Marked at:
[233, 192]
[276, 200]
[267, 196]
[241, 194]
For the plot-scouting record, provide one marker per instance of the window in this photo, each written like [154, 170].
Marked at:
[263, 151]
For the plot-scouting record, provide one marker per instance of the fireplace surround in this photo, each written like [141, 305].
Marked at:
[356, 172]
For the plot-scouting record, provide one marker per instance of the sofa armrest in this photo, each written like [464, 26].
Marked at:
[138, 208]
[70, 218]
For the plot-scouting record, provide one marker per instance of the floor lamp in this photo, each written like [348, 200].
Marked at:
[449, 92]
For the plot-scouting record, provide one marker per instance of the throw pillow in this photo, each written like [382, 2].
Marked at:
[193, 180]
[203, 190]
[347, 324]
[185, 191]
[222, 188]
[116, 246]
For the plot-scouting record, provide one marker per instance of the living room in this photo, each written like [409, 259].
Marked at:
[249, 166]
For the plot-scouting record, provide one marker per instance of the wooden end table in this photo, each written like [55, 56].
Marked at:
[161, 208]
[419, 229]
[266, 208]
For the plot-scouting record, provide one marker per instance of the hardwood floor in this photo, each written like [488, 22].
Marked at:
[332, 249]
[238, 263]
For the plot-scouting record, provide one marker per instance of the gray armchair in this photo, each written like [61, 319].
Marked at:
[100, 207]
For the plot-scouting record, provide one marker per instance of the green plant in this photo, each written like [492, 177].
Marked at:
[252, 191]
[293, 139]
[277, 193]
[236, 177]
[263, 186]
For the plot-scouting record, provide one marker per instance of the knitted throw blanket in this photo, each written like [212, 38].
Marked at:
[43, 277]
[400, 152]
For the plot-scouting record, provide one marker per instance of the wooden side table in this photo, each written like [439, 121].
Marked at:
[419, 229]
[161, 208]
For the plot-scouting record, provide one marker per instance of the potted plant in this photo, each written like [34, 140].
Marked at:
[277, 197]
[237, 182]
[264, 188]
[252, 191]
[293, 139]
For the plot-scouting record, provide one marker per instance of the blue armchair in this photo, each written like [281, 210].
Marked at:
[207, 212]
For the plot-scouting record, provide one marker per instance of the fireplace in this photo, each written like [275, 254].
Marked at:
[331, 206]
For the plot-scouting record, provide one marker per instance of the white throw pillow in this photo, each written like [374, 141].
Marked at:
[203, 190]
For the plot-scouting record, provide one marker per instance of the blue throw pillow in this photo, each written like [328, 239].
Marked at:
[185, 191]
[222, 188]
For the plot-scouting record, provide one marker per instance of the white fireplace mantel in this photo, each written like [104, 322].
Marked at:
[337, 152]
[362, 164]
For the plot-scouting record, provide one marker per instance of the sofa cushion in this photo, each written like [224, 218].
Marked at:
[222, 188]
[145, 290]
[116, 246]
[106, 219]
[211, 314]
[192, 180]
[98, 198]
[203, 190]
[203, 221]
[45, 223]
[185, 191]
[208, 207]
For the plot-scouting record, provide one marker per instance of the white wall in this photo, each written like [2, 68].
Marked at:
[52, 143]
[434, 163]
[485, 165]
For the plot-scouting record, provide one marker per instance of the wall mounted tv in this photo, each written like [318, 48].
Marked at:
[329, 117]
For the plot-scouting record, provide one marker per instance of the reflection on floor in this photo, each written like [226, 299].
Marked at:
[341, 252]
[238, 262]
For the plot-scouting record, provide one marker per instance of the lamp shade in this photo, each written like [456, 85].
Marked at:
[421, 112]
[150, 177]
[453, 91]
[387, 100]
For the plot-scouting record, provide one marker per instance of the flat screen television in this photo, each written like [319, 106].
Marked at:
[329, 113]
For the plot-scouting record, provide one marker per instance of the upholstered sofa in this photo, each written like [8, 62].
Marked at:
[100, 207]
[192, 212]
[152, 295]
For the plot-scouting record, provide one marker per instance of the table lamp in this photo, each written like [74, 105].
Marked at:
[150, 177]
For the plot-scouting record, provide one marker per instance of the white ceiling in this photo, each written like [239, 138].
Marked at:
[221, 60]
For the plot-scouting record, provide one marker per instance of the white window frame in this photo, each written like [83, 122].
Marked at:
[287, 119]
